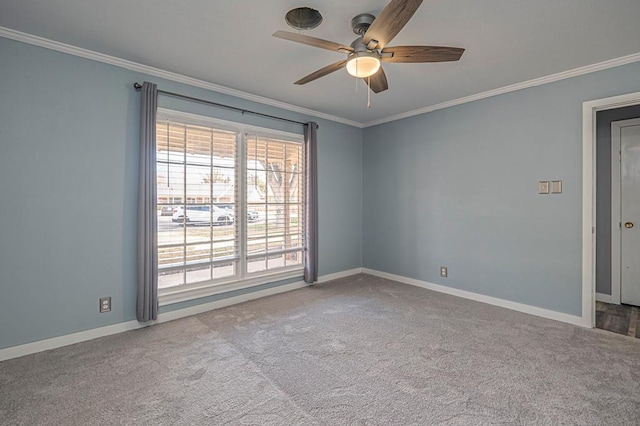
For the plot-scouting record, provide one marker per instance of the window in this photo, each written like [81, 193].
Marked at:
[274, 192]
[230, 205]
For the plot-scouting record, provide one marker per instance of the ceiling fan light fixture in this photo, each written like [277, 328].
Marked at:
[363, 64]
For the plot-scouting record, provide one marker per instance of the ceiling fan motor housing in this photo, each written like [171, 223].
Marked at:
[358, 46]
[361, 23]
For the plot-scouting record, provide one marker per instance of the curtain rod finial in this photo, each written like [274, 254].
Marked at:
[137, 86]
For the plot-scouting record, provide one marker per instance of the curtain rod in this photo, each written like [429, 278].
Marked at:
[138, 86]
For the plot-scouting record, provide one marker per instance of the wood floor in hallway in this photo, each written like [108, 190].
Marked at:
[621, 319]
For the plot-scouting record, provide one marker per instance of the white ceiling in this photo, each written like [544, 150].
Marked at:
[229, 43]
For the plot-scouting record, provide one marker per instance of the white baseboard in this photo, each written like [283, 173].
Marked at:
[337, 275]
[67, 339]
[82, 336]
[515, 306]
[70, 339]
[606, 298]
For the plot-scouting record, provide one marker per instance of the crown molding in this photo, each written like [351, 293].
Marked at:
[624, 60]
[156, 72]
[179, 78]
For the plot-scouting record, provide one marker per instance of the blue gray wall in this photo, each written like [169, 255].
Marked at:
[68, 171]
[458, 187]
[455, 187]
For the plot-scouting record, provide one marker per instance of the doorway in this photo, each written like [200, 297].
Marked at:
[596, 225]
[621, 314]
[625, 212]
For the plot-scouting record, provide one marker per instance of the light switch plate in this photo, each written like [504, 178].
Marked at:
[543, 187]
[556, 187]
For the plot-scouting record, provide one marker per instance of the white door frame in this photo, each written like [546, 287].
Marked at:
[589, 110]
[616, 198]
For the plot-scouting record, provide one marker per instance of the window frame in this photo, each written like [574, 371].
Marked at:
[242, 279]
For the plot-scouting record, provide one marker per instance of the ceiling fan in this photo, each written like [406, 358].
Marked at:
[369, 49]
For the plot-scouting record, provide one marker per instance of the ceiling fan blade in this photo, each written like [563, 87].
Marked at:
[378, 81]
[312, 41]
[322, 72]
[390, 21]
[421, 54]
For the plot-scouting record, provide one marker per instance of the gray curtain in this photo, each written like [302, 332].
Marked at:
[311, 225]
[147, 304]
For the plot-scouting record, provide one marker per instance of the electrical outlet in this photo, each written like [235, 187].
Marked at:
[444, 272]
[105, 304]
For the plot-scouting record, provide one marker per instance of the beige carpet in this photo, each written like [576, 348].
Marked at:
[357, 351]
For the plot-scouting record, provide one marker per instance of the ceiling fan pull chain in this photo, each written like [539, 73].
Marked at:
[369, 94]
[357, 79]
